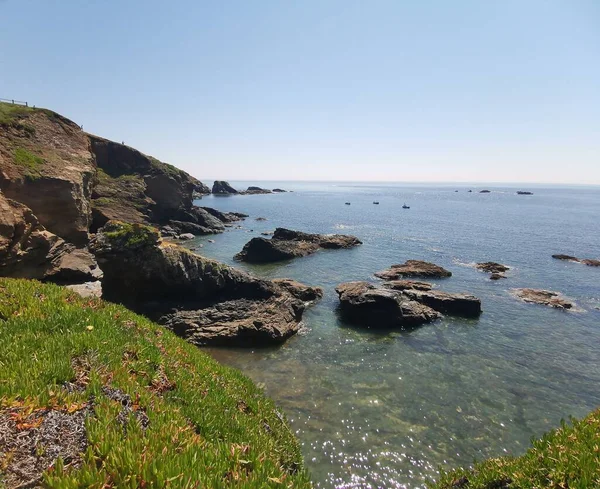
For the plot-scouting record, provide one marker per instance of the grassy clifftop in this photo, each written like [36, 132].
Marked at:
[105, 398]
[565, 458]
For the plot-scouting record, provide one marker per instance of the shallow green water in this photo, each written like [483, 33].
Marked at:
[388, 409]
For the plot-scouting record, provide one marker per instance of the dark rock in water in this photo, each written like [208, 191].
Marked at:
[469, 191]
[221, 187]
[202, 300]
[261, 219]
[286, 244]
[413, 268]
[522, 192]
[225, 217]
[366, 304]
[495, 269]
[544, 297]
[454, 304]
[485, 191]
[279, 190]
[565, 257]
[256, 191]
[28, 250]
[407, 284]
[586, 261]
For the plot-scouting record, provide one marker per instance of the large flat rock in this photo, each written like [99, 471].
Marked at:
[414, 268]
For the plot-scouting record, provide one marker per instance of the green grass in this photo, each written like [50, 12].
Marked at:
[565, 458]
[29, 162]
[208, 427]
[130, 235]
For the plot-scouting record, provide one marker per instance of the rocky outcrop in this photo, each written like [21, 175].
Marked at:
[256, 191]
[544, 297]
[496, 270]
[46, 164]
[221, 187]
[414, 268]
[286, 244]
[586, 261]
[524, 192]
[364, 303]
[485, 191]
[279, 190]
[397, 304]
[203, 300]
[27, 250]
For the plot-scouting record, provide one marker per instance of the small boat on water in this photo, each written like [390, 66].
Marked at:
[376, 203]
[347, 203]
[406, 206]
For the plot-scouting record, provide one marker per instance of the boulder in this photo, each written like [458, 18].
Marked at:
[202, 300]
[453, 304]
[590, 262]
[286, 244]
[185, 236]
[364, 303]
[414, 268]
[221, 187]
[544, 297]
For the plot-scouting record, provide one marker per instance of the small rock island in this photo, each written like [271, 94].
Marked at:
[287, 244]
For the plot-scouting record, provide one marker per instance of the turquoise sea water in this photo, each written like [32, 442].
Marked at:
[387, 409]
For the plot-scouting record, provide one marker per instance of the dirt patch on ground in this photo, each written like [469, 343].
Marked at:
[31, 444]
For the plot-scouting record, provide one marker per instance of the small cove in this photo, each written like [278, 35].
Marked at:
[386, 409]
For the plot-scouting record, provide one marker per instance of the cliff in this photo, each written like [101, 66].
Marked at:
[66, 184]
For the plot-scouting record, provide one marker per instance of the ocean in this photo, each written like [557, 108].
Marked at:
[390, 408]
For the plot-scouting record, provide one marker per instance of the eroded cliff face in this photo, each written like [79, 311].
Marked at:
[46, 163]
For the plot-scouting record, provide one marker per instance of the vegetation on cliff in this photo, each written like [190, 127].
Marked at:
[113, 400]
[568, 457]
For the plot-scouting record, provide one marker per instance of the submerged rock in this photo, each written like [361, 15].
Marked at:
[565, 257]
[590, 262]
[369, 305]
[286, 244]
[544, 297]
[495, 269]
[524, 192]
[414, 268]
[202, 300]
[221, 187]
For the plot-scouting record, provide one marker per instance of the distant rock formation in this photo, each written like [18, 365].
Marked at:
[586, 261]
[286, 244]
[485, 191]
[279, 190]
[523, 192]
[413, 268]
[256, 191]
[221, 187]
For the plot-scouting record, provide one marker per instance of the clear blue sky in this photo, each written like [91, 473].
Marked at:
[322, 89]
